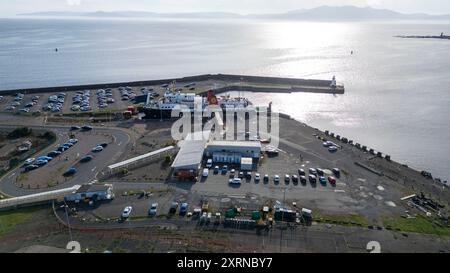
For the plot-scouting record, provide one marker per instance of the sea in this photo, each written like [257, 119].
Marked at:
[397, 97]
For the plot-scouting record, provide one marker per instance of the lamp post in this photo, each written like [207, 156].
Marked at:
[67, 217]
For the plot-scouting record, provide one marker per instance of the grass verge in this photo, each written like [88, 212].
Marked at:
[420, 224]
[10, 219]
[344, 220]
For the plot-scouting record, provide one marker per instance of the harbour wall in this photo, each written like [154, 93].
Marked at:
[317, 86]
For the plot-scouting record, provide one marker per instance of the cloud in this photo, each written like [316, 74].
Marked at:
[73, 2]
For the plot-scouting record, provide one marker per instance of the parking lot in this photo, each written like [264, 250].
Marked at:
[51, 173]
[88, 101]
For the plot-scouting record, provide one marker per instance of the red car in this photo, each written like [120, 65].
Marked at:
[332, 180]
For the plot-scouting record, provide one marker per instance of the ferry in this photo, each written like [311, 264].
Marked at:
[162, 108]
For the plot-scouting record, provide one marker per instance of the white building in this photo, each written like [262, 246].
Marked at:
[92, 192]
[234, 152]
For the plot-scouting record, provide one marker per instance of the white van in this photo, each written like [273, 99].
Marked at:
[205, 172]
[209, 163]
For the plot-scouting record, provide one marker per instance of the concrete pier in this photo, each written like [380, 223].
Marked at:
[227, 82]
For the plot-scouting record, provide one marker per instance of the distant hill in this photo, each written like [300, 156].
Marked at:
[130, 14]
[346, 13]
[323, 13]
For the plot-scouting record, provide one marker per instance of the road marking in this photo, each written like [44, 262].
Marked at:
[78, 155]
[120, 143]
[12, 175]
[93, 169]
[339, 191]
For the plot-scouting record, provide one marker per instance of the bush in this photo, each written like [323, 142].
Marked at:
[13, 162]
[48, 136]
[19, 132]
[168, 159]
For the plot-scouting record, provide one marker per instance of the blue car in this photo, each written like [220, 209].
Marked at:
[322, 180]
[53, 154]
[44, 158]
[40, 162]
[70, 172]
[184, 208]
[65, 146]
[225, 169]
[62, 148]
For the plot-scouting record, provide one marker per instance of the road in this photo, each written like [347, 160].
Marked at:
[315, 238]
[108, 156]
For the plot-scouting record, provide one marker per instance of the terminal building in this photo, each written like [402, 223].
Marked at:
[92, 192]
[197, 146]
[187, 163]
[234, 152]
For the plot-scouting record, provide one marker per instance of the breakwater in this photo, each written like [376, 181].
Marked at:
[288, 84]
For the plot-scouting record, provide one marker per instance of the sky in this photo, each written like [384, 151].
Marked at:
[13, 7]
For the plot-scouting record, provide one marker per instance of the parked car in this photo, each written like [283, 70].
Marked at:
[184, 208]
[73, 141]
[70, 172]
[62, 148]
[153, 209]
[126, 212]
[332, 149]
[86, 159]
[294, 178]
[40, 162]
[322, 180]
[241, 175]
[209, 163]
[257, 177]
[86, 128]
[276, 178]
[216, 169]
[205, 172]
[104, 144]
[337, 172]
[47, 158]
[303, 179]
[248, 175]
[327, 144]
[97, 149]
[332, 180]
[224, 169]
[173, 207]
[301, 172]
[312, 171]
[235, 181]
[319, 171]
[65, 146]
[29, 161]
[312, 178]
[287, 178]
[54, 153]
[31, 167]
[266, 178]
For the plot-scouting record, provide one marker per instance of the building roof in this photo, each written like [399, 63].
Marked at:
[141, 157]
[251, 144]
[191, 150]
[37, 197]
[92, 188]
